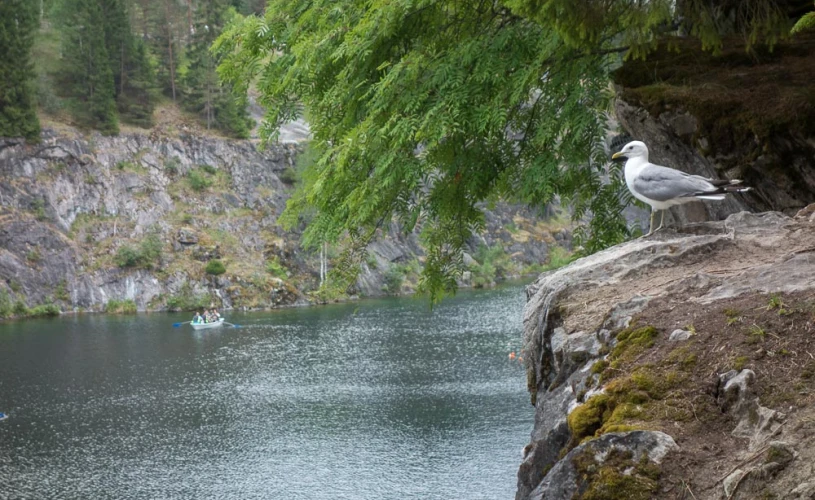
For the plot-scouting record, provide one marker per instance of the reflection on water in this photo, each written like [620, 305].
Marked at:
[373, 400]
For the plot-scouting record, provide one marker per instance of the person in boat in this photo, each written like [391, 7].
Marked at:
[206, 315]
[215, 315]
[197, 318]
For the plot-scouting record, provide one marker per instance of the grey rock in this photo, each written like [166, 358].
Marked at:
[679, 335]
[187, 237]
[732, 481]
[563, 481]
[804, 491]
[748, 482]
[684, 125]
[735, 395]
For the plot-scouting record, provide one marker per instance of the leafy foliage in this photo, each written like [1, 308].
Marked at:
[638, 25]
[215, 267]
[276, 269]
[146, 255]
[492, 264]
[44, 310]
[5, 304]
[126, 306]
[420, 111]
[199, 180]
[394, 277]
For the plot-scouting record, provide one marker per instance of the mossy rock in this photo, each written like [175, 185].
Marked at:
[628, 404]
[618, 477]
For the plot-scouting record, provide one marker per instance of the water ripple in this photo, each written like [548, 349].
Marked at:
[375, 400]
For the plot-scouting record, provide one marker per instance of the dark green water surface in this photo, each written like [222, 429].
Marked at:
[382, 399]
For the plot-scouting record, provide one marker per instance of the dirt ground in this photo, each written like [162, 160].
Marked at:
[773, 335]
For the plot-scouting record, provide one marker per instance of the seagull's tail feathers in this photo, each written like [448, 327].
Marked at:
[723, 187]
[737, 188]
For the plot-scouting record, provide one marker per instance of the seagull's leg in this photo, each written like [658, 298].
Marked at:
[651, 226]
[661, 219]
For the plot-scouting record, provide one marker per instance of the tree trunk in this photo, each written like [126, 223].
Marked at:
[189, 21]
[208, 91]
[122, 71]
[170, 46]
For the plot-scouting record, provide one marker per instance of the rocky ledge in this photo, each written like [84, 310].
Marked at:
[677, 366]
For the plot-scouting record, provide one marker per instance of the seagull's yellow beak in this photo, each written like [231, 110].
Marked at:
[619, 156]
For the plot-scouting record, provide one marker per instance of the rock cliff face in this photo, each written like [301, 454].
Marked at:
[697, 346]
[85, 220]
[740, 115]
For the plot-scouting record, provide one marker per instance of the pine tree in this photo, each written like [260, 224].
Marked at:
[133, 78]
[18, 117]
[137, 98]
[85, 77]
[218, 106]
[165, 20]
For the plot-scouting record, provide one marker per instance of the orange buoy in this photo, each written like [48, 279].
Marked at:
[512, 355]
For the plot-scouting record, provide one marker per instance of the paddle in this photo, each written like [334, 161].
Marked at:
[232, 325]
[176, 325]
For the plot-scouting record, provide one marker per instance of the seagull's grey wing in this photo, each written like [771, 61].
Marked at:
[663, 184]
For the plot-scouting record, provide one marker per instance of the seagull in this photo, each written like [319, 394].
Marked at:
[663, 187]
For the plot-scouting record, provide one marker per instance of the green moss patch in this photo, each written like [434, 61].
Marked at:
[629, 403]
[631, 342]
[637, 393]
[619, 476]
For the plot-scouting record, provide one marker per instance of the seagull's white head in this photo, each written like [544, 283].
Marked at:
[634, 149]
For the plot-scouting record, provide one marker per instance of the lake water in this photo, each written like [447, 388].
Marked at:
[381, 399]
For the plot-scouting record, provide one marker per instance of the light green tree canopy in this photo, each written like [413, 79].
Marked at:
[424, 109]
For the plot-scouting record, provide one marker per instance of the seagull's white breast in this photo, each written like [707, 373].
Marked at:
[633, 167]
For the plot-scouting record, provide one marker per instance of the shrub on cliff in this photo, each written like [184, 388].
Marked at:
[126, 306]
[215, 267]
[20, 309]
[492, 264]
[127, 256]
[198, 180]
[276, 269]
[146, 255]
[5, 304]
[150, 249]
[44, 310]
[394, 278]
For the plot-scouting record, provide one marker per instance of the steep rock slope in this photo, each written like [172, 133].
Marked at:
[87, 219]
[698, 345]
